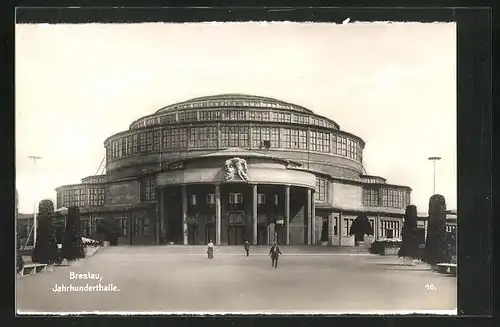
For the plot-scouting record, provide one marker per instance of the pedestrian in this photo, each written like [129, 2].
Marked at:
[275, 254]
[247, 248]
[210, 250]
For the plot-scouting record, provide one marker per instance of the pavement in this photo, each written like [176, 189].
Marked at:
[180, 279]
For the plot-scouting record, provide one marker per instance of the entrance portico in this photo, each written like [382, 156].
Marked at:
[204, 200]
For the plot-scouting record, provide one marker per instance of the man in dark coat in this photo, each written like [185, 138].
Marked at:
[247, 248]
[274, 252]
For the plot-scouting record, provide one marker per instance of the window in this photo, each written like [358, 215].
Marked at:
[234, 136]
[347, 226]
[96, 196]
[313, 140]
[134, 144]
[187, 116]
[294, 139]
[193, 200]
[335, 226]
[393, 198]
[203, 137]
[210, 198]
[149, 141]
[85, 226]
[119, 147]
[142, 144]
[175, 138]
[168, 119]
[302, 139]
[149, 189]
[285, 138]
[275, 137]
[261, 198]
[209, 115]
[370, 197]
[235, 198]
[122, 223]
[156, 140]
[320, 194]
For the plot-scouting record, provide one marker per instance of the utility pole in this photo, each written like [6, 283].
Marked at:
[434, 159]
[35, 159]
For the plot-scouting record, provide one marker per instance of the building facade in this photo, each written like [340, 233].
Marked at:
[231, 168]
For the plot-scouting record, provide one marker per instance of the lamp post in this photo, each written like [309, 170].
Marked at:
[34, 158]
[434, 160]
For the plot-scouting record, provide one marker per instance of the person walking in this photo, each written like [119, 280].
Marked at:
[210, 249]
[274, 252]
[247, 248]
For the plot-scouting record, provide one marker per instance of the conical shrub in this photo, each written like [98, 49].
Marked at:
[72, 245]
[436, 245]
[46, 244]
[19, 256]
[409, 247]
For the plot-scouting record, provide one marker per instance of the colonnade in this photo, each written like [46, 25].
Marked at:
[161, 213]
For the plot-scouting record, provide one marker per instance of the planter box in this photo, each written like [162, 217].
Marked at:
[386, 250]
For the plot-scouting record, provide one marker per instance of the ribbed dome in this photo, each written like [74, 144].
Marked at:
[232, 97]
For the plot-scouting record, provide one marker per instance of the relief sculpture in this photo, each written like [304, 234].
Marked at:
[236, 168]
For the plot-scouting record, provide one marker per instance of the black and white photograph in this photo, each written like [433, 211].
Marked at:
[236, 168]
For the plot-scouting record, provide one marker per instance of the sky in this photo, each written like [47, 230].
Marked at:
[392, 84]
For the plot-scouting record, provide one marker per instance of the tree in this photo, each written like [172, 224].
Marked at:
[436, 246]
[46, 245]
[72, 245]
[360, 227]
[19, 256]
[409, 248]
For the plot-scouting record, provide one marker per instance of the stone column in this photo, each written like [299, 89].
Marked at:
[131, 227]
[217, 215]
[340, 227]
[287, 215]
[314, 223]
[163, 218]
[309, 219]
[330, 229]
[184, 214]
[158, 216]
[254, 213]
[377, 227]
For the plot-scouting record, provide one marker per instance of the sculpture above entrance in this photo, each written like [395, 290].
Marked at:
[236, 168]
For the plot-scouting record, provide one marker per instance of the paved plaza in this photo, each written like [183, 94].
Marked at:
[182, 279]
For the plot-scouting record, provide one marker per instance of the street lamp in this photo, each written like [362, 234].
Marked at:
[434, 159]
[34, 158]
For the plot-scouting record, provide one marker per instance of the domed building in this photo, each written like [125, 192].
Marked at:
[235, 167]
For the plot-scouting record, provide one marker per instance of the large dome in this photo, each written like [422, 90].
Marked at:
[228, 105]
[234, 99]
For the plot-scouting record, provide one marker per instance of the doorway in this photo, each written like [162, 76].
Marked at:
[262, 235]
[209, 233]
[192, 235]
[235, 235]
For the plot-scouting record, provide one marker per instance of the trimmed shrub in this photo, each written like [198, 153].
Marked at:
[46, 245]
[360, 227]
[409, 247]
[19, 256]
[73, 246]
[378, 246]
[437, 249]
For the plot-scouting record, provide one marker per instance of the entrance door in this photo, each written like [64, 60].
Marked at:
[262, 235]
[280, 233]
[235, 235]
[192, 235]
[209, 233]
